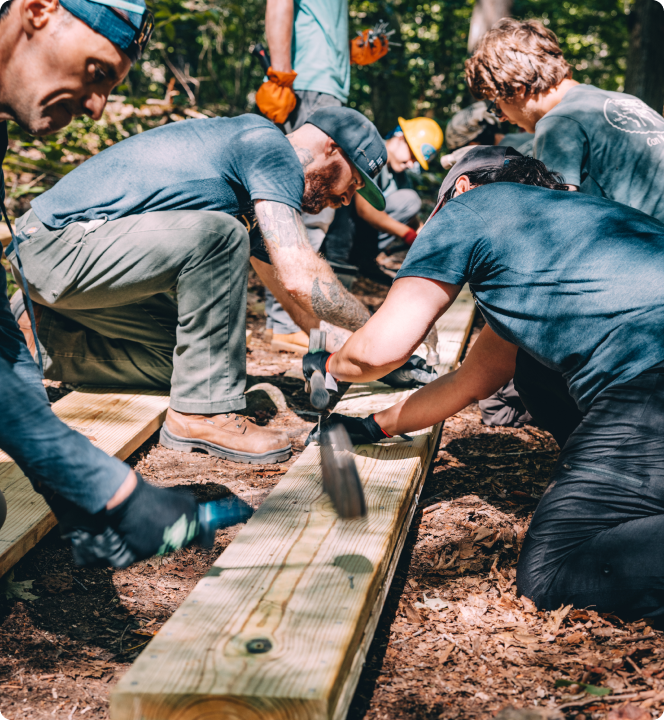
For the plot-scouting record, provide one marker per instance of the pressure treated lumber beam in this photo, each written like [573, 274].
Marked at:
[117, 422]
[280, 626]
[453, 330]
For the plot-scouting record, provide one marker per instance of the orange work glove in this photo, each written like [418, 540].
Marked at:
[364, 51]
[275, 98]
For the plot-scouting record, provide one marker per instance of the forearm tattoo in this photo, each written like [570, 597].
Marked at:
[332, 302]
[281, 226]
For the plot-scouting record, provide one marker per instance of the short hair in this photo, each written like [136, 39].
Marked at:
[4, 10]
[516, 55]
[523, 170]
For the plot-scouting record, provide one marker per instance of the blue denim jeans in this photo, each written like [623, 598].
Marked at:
[57, 460]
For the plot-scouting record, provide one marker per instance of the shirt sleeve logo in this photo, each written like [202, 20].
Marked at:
[633, 116]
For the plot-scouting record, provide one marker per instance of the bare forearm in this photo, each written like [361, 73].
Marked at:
[430, 405]
[279, 33]
[305, 276]
[379, 219]
[489, 365]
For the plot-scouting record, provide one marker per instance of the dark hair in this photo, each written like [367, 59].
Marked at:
[487, 136]
[5, 9]
[523, 170]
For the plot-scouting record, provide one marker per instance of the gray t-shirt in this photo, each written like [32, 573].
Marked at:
[576, 281]
[608, 144]
[223, 164]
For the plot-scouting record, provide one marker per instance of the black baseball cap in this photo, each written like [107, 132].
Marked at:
[360, 140]
[479, 157]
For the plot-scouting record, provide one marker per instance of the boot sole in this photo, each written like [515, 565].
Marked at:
[173, 442]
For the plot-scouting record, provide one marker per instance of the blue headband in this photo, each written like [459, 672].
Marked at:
[101, 18]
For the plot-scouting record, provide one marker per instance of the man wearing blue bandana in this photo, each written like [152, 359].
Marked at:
[60, 59]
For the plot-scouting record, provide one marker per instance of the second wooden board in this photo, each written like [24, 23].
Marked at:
[117, 422]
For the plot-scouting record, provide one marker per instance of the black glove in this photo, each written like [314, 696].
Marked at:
[151, 521]
[413, 373]
[361, 431]
[314, 361]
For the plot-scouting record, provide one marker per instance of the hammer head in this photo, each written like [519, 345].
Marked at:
[341, 480]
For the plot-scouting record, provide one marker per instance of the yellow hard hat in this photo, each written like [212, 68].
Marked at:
[424, 137]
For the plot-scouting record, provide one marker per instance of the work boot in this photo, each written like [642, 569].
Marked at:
[297, 342]
[20, 312]
[229, 436]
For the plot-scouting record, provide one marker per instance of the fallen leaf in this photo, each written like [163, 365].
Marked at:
[528, 605]
[602, 632]
[573, 639]
[482, 533]
[435, 603]
[412, 615]
[525, 639]
[16, 590]
[466, 550]
[445, 654]
[628, 711]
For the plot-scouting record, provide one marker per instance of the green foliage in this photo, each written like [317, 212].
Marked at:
[594, 35]
[200, 58]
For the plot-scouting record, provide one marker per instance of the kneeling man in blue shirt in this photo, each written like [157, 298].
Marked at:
[573, 282]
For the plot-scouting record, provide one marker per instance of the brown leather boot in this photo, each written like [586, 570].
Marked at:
[17, 304]
[229, 436]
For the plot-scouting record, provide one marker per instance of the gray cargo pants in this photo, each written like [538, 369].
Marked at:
[108, 317]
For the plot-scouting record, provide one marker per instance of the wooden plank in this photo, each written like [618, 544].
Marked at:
[117, 422]
[453, 330]
[311, 585]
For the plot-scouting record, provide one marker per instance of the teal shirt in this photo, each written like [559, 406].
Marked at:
[320, 51]
[609, 144]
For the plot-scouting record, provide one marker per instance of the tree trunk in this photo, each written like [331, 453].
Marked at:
[485, 14]
[645, 61]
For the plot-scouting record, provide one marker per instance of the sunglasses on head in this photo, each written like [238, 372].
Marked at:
[493, 109]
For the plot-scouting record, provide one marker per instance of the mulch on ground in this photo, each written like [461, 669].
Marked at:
[454, 640]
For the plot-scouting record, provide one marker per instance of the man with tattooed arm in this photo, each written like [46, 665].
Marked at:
[184, 207]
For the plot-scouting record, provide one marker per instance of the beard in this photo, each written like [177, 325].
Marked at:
[318, 192]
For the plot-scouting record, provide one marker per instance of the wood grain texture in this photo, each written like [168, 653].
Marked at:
[117, 422]
[453, 330]
[296, 578]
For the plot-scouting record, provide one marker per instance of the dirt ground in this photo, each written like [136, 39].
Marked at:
[454, 640]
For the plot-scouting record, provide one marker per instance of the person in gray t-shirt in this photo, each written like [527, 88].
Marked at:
[606, 144]
[603, 143]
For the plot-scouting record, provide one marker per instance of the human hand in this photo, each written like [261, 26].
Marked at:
[361, 431]
[275, 98]
[413, 373]
[369, 46]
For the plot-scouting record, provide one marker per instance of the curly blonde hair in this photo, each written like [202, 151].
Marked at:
[516, 55]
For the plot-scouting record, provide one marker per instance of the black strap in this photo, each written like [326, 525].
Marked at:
[26, 294]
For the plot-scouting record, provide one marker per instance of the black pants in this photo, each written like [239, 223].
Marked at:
[597, 537]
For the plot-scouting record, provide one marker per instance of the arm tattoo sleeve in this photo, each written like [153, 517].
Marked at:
[281, 226]
[332, 302]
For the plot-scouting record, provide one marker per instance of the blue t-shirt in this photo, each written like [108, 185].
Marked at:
[320, 50]
[215, 164]
[608, 144]
[576, 281]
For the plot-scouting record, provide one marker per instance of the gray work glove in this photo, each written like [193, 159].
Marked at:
[411, 374]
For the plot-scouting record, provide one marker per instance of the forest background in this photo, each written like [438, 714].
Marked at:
[200, 64]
